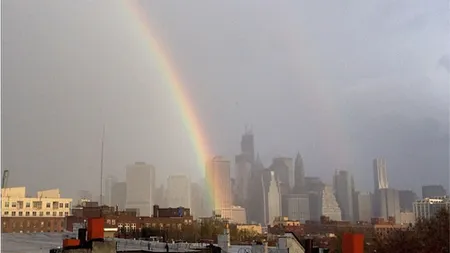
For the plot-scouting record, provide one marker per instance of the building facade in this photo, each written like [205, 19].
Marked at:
[431, 191]
[178, 191]
[428, 207]
[140, 180]
[296, 207]
[343, 189]
[274, 199]
[218, 174]
[380, 174]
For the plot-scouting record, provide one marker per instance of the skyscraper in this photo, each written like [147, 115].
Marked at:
[343, 190]
[218, 175]
[407, 198]
[140, 178]
[299, 170]
[248, 145]
[328, 204]
[282, 166]
[243, 174]
[178, 191]
[119, 195]
[109, 182]
[363, 206]
[387, 204]
[274, 199]
[380, 174]
[430, 191]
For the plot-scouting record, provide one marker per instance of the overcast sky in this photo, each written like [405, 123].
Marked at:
[342, 82]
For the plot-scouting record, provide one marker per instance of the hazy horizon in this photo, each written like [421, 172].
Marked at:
[341, 83]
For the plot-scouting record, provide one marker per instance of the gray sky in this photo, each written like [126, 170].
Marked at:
[340, 82]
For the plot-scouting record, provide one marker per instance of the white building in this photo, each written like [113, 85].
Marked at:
[297, 207]
[140, 181]
[380, 174]
[47, 203]
[178, 191]
[329, 205]
[273, 199]
[428, 207]
[234, 214]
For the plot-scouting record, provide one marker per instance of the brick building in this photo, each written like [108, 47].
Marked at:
[32, 224]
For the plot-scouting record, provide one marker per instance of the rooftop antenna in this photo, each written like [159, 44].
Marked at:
[101, 166]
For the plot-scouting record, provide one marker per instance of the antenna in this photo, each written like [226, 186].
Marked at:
[101, 166]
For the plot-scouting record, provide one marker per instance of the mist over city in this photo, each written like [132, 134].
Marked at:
[290, 92]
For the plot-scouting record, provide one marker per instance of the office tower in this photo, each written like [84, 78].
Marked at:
[248, 146]
[299, 184]
[428, 207]
[296, 207]
[274, 199]
[430, 191]
[198, 202]
[109, 182]
[380, 174]
[343, 190]
[328, 204]
[119, 195]
[363, 203]
[314, 184]
[218, 174]
[387, 204]
[140, 178]
[257, 202]
[407, 198]
[243, 174]
[284, 173]
[160, 196]
[178, 191]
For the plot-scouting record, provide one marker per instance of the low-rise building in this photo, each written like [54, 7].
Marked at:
[428, 207]
[43, 213]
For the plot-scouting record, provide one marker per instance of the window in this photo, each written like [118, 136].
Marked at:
[48, 205]
[13, 213]
[108, 221]
[27, 213]
[60, 213]
[41, 213]
[42, 224]
[13, 204]
[6, 204]
[54, 213]
[20, 213]
[34, 213]
[66, 205]
[113, 222]
[47, 213]
[66, 213]
[61, 205]
[6, 213]
[27, 204]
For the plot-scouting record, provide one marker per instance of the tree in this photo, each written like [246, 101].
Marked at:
[427, 235]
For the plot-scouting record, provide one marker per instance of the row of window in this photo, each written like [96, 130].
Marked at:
[34, 224]
[133, 225]
[34, 214]
[37, 204]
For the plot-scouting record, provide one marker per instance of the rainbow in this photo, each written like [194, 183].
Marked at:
[177, 89]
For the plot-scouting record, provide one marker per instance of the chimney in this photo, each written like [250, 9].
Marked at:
[155, 211]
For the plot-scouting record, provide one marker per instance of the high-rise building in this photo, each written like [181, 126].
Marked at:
[218, 174]
[274, 199]
[243, 174]
[159, 198]
[198, 203]
[299, 170]
[430, 191]
[328, 204]
[343, 190]
[380, 174]
[248, 145]
[407, 198]
[178, 191]
[109, 182]
[140, 178]
[284, 173]
[387, 204]
[296, 207]
[363, 203]
[119, 195]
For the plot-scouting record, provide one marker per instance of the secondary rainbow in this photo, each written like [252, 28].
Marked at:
[177, 89]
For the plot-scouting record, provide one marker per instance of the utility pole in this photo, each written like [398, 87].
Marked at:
[101, 166]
